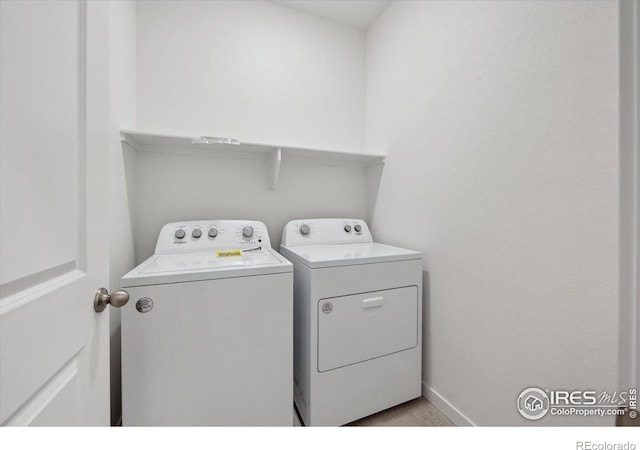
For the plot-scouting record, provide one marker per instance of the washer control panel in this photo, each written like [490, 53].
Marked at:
[325, 231]
[202, 235]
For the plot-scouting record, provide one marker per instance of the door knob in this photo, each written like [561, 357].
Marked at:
[102, 298]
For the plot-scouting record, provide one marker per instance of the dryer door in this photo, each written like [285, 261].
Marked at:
[356, 328]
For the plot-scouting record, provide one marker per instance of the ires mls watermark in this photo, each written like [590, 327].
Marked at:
[535, 403]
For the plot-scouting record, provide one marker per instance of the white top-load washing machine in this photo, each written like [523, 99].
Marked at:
[357, 320]
[207, 338]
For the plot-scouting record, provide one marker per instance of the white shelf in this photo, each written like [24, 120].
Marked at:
[273, 155]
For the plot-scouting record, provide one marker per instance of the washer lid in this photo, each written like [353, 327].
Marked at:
[178, 268]
[319, 256]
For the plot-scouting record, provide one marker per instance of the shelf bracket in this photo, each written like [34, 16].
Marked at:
[275, 160]
[130, 141]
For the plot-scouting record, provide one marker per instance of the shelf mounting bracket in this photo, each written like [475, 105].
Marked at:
[275, 160]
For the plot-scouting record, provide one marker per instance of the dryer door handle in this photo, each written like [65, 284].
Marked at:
[372, 302]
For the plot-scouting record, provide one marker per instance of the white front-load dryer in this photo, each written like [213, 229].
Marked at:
[357, 320]
[207, 338]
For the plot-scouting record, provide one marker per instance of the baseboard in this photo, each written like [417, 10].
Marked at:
[445, 406]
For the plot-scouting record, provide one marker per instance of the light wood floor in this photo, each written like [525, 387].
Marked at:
[416, 413]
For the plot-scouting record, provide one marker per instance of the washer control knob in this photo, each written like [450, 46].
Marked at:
[304, 229]
[196, 233]
[213, 232]
[358, 228]
[347, 228]
[247, 231]
[180, 234]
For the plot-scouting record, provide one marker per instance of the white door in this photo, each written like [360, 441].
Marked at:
[53, 200]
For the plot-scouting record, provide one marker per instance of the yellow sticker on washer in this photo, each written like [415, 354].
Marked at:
[229, 253]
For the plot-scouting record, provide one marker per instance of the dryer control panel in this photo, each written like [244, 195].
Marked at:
[193, 236]
[325, 231]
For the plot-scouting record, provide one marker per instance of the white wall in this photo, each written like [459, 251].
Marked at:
[500, 122]
[257, 72]
[174, 187]
[122, 114]
[251, 70]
